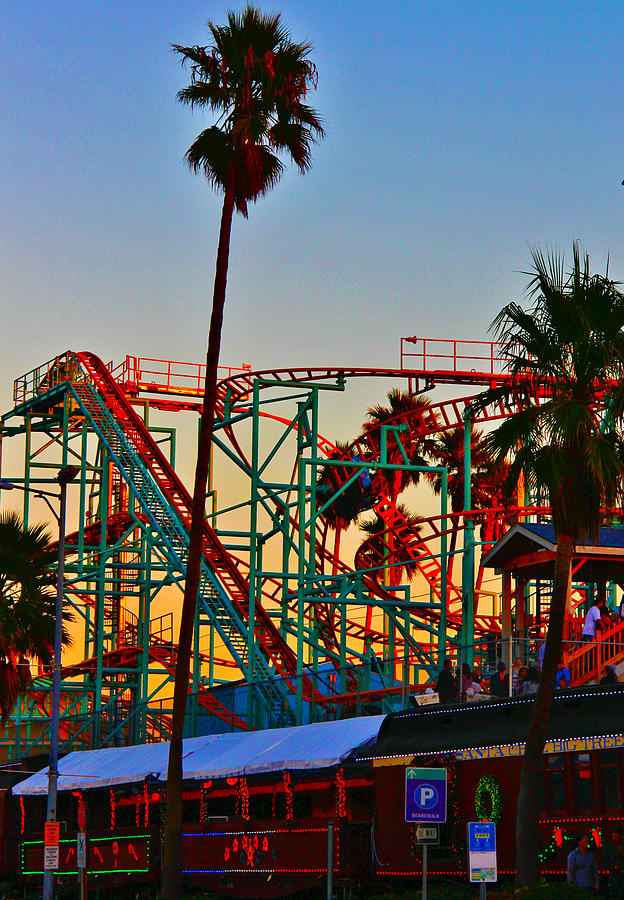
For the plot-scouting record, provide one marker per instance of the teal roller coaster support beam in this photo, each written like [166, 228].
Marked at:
[468, 561]
[253, 551]
[444, 586]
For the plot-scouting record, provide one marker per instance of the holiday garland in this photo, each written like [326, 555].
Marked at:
[488, 800]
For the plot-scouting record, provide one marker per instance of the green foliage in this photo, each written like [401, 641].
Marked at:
[566, 358]
[254, 80]
[27, 605]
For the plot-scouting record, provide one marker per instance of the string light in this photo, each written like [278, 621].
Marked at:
[23, 815]
[561, 840]
[244, 795]
[341, 795]
[288, 794]
[93, 845]
[112, 809]
[146, 805]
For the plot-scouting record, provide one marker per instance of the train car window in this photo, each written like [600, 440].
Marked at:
[280, 805]
[555, 778]
[191, 811]
[260, 806]
[583, 790]
[220, 806]
[302, 806]
[609, 761]
[125, 815]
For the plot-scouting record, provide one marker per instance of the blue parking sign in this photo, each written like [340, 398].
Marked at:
[425, 795]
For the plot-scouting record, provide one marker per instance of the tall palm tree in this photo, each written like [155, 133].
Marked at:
[254, 80]
[27, 606]
[566, 358]
[414, 414]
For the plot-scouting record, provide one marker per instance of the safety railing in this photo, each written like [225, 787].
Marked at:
[140, 373]
[436, 354]
[587, 661]
[45, 377]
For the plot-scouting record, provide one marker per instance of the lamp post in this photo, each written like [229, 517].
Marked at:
[65, 475]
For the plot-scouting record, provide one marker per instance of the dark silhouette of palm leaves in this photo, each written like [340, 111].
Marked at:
[566, 358]
[346, 506]
[27, 605]
[254, 79]
[414, 414]
[399, 546]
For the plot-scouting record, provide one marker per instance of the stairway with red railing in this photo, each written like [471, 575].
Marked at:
[218, 559]
[587, 661]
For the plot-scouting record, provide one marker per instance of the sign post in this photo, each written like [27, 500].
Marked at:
[482, 853]
[425, 801]
[81, 848]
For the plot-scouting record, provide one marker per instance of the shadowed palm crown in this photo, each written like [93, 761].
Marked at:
[566, 358]
[254, 79]
[27, 605]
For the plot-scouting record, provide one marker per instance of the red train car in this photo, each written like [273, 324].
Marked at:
[481, 747]
[264, 812]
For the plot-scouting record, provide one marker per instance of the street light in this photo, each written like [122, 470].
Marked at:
[65, 475]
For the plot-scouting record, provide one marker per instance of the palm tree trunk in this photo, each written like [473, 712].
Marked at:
[531, 775]
[172, 852]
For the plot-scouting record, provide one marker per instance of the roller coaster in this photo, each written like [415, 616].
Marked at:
[288, 629]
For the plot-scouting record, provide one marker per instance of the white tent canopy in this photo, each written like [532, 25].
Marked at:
[316, 746]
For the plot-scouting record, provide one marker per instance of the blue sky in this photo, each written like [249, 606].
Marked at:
[457, 135]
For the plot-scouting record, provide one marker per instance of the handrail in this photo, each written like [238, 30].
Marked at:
[586, 662]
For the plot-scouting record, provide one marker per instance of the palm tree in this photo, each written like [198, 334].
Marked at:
[345, 508]
[406, 543]
[566, 358]
[254, 80]
[27, 606]
[414, 415]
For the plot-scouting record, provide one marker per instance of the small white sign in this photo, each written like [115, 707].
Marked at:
[426, 699]
[81, 850]
[427, 834]
[50, 858]
[482, 851]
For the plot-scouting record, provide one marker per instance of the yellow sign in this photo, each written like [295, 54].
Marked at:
[499, 751]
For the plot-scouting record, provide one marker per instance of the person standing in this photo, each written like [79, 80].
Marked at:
[446, 686]
[592, 624]
[613, 858]
[499, 682]
[582, 867]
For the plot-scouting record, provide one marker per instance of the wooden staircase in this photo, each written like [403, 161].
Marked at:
[587, 661]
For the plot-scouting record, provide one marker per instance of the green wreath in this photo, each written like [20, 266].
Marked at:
[489, 800]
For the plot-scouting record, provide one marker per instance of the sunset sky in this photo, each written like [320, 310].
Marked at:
[457, 136]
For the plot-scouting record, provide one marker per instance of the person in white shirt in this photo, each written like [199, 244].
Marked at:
[592, 624]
